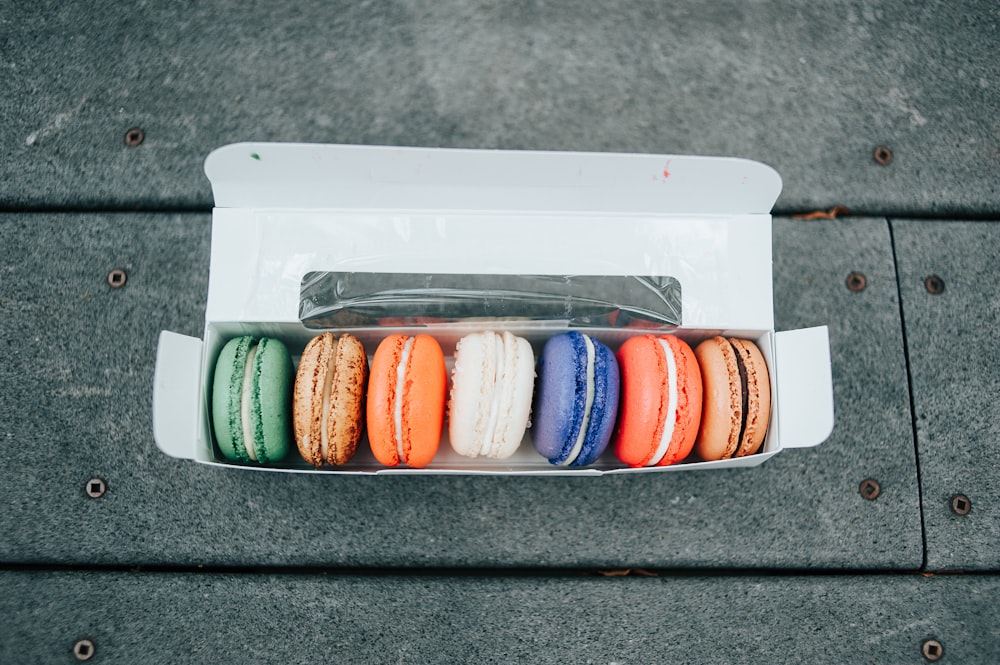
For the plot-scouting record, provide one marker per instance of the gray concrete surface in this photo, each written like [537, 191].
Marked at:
[810, 88]
[80, 383]
[955, 370]
[783, 563]
[205, 617]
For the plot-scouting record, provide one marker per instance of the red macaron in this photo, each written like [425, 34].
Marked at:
[661, 401]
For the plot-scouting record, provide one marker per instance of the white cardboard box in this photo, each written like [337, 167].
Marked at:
[283, 210]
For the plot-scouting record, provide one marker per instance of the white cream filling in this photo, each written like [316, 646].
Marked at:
[246, 398]
[324, 445]
[588, 406]
[400, 386]
[671, 415]
[498, 379]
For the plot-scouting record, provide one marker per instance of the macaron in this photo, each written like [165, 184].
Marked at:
[329, 399]
[576, 399]
[492, 384]
[661, 396]
[737, 398]
[251, 400]
[406, 400]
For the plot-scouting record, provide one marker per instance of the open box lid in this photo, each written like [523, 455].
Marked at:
[283, 210]
[297, 175]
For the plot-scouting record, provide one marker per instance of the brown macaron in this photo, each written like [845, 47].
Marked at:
[328, 402]
[736, 402]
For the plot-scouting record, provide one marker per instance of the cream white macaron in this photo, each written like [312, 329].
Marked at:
[491, 389]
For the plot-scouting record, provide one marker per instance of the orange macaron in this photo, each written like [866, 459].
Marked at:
[737, 399]
[406, 400]
[661, 401]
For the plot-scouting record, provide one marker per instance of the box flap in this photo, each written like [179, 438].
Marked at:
[290, 175]
[805, 386]
[177, 379]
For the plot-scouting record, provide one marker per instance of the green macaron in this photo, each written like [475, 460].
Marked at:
[251, 400]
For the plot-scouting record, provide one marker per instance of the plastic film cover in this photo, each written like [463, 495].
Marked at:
[347, 299]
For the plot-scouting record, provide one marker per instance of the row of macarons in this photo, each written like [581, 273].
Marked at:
[657, 401]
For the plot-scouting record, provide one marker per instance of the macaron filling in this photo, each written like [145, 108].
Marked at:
[498, 379]
[404, 359]
[331, 367]
[590, 390]
[670, 416]
[246, 403]
[744, 393]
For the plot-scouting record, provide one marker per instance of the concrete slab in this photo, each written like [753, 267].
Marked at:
[224, 618]
[872, 437]
[80, 369]
[954, 371]
[811, 89]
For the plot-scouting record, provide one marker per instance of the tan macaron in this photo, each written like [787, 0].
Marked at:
[736, 403]
[328, 402]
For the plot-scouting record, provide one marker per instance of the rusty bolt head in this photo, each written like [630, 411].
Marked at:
[96, 487]
[932, 650]
[960, 505]
[856, 282]
[134, 137]
[934, 285]
[83, 649]
[117, 278]
[870, 489]
[882, 155]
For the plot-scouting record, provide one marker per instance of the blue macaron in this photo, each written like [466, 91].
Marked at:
[576, 399]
